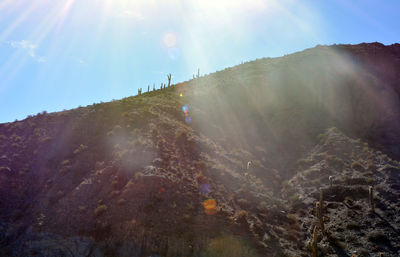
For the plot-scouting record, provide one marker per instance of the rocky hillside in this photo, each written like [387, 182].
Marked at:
[342, 170]
[228, 164]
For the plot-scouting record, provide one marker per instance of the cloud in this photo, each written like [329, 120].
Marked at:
[81, 61]
[28, 47]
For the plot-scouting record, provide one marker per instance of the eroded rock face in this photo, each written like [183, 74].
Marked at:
[349, 222]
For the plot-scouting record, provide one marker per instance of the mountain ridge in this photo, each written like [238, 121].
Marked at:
[136, 173]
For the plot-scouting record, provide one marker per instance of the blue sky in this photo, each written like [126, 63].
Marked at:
[62, 54]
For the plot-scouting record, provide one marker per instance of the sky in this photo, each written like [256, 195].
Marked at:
[61, 54]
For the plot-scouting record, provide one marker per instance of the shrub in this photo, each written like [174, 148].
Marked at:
[378, 237]
[60, 194]
[294, 200]
[200, 178]
[65, 169]
[130, 184]
[334, 161]
[302, 162]
[5, 169]
[80, 149]
[229, 246]
[383, 156]
[114, 193]
[370, 165]
[353, 226]
[121, 201]
[370, 181]
[263, 206]
[311, 173]
[315, 182]
[138, 175]
[114, 183]
[243, 202]
[100, 210]
[357, 166]
[186, 217]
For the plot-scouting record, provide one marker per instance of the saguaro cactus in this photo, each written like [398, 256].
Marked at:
[148, 88]
[139, 91]
[198, 73]
[371, 198]
[169, 76]
[318, 209]
[154, 87]
[313, 244]
[248, 165]
[321, 198]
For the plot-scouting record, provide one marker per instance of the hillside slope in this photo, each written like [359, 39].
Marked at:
[343, 169]
[131, 177]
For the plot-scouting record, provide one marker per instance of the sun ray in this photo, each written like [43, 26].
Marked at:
[21, 18]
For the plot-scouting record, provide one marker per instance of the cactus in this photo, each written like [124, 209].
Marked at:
[154, 87]
[248, 165]
[169, 76]
[321, 198]
[371, 198]
[318, 209]
[198, 73]
[313, 244]
[330, 181]
[148, 88]
[139, 91]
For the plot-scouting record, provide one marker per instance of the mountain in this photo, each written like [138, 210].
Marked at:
[227, 164]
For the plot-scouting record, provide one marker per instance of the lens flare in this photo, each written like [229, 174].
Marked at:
[188, 119]
[169, 40]
[205, 188]
[209, 204]
[211, 211]
[185, 108]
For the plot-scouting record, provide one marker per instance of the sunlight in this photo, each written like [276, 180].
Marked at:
[64, 13]
[21, 18]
